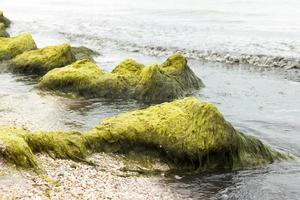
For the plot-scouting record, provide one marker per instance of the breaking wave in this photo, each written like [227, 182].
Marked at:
[258, 60]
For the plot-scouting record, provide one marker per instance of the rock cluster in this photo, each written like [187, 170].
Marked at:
[73, 69]
[153, 83]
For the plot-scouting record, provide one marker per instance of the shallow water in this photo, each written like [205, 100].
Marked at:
[258, 102]
[227, 30]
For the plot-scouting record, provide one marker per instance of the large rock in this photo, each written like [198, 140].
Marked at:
[4, 20]
[3, 32]
[41, 61]
[186, 134]
[11, 47]
[154, 83]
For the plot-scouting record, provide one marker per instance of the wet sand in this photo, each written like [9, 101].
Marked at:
[65, 179]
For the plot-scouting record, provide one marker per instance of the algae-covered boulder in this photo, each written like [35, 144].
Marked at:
[15, 149]
[170, 80]
[4, 20]
[3, 32]
[80, 76]
[82, 53]
[18, 145]
[186, 134]
[153, 83]
[84, 78]
[11, 47]
[189, 133]
[40, 61]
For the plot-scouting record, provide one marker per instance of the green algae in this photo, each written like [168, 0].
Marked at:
[4, 20]
[170, 80]
[129, 68]
[18, 146]
[189, 133]
[67, 144]
[15, 149]
[153, 83]
[3, 32]
[185, 134]
[11, 47]
[41, 61]
[81, 75]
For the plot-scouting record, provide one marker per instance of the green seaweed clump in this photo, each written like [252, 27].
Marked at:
[4, 20]
[18, 146]
[154, 83]
[170, 80]
[14, 148]
[11, 47]
[3, 32]
[41, 61]
[186, 134]
[80, 76]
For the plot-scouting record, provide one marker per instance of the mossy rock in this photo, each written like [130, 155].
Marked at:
[82, 53]
[11, 47]
[41, 61]
[15, 149]
[18, 146]
[186, 134]
[80, 76]
[129, 80]
[4, 20]
[3, 32]
[171, 80]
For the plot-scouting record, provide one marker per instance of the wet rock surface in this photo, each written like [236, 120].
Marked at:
[83, 52]
[3, 32]
[4, 20]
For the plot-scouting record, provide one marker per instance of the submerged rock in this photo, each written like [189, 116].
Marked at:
[41, 61]
[11, 47]
[3, 32]
[82, 52]
[4, 20]
[154, 83]
[186, 134]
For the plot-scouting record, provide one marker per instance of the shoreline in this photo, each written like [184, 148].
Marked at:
[110, 178]
[67, 179]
